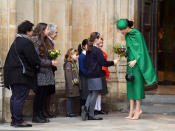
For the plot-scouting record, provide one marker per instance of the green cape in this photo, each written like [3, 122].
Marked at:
[136, 42]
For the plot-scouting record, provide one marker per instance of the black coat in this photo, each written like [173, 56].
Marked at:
[13, 68]
[94, 61]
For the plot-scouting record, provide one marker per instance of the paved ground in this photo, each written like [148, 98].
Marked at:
[111, 122]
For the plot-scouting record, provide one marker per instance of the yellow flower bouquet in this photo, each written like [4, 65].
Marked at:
[53, 54]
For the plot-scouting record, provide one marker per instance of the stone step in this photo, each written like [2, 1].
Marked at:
[159, 104]
[158, 99]
[159, 109]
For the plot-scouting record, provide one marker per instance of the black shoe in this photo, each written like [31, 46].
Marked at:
[51, 115]
[41, 116]
[44, 115]
[23, 125]
[94, 118]
[12, 124]
[95, 112]
[37, 119]
[54, 116]
[71, 115]
[48, 115]
[103, 112]
[84, 113]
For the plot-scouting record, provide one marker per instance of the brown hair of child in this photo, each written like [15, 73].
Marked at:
[68, 55]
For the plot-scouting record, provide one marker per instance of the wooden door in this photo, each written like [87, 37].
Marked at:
[147, 24]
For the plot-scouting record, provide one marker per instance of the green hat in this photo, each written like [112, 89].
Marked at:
[121, 24]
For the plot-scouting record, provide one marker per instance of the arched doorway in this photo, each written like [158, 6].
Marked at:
[157, 23]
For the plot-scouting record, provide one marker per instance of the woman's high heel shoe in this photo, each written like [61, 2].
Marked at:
[130, 115]
[136, 117]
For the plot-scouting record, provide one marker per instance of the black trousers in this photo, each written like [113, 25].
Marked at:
[19, 95]
[40, 99]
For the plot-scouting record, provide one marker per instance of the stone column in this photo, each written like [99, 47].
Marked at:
[1, 94]
[7, 34]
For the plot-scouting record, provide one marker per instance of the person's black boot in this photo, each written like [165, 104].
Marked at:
[95, 112]
[41, 116]
[37, 119]
[94, 118]
[49, 115]
[103, 112]
[12, 123]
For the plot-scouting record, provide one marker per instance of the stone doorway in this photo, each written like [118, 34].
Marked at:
[166, 42]
[157, 23]
[166, 48]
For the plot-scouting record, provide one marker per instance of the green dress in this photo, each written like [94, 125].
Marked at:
[143, 69]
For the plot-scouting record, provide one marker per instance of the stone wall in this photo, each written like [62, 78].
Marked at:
[76, 19]
[7, 34]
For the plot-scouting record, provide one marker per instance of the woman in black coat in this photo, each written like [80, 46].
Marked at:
[20, 71]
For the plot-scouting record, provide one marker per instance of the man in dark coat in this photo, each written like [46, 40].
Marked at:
[19, 71]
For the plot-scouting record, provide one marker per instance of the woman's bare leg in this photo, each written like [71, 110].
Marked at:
[138, 110]
[131, 112]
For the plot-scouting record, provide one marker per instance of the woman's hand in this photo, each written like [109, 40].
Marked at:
[54, 62]
[132, 63]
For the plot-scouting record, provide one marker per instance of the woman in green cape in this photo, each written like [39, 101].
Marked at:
[139, 64]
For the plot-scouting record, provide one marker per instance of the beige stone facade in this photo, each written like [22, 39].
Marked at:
[76, 19]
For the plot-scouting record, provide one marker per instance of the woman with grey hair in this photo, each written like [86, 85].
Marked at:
[53, 32]
[51, 90]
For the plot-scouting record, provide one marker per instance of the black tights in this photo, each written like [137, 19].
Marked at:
[40, 99]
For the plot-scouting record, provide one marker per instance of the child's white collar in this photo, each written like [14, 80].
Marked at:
[84, 52]
[95, 45]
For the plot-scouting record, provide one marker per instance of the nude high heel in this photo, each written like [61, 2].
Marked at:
[136, 117]
[130, 115]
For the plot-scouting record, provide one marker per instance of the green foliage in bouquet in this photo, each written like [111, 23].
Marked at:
[120, 50]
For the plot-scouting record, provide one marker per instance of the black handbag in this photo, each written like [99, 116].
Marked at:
[24, 71]
[129, 76]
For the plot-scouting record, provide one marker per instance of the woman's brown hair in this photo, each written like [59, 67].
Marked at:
[44, 45]
[93, 36]
[68, 55]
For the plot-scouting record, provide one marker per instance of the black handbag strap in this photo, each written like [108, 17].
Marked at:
[19, 57]
[131, 69]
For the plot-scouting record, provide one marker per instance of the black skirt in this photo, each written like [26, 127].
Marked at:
[50, 90]
[104, 90]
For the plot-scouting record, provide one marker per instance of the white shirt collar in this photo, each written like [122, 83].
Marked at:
[84, 52]
[95, 45]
